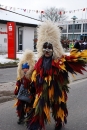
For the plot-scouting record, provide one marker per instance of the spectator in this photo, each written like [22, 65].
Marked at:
[79, 45]
[85, 44]
[82, 45]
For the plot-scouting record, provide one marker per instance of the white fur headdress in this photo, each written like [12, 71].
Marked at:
[49, 32]
[28, 57]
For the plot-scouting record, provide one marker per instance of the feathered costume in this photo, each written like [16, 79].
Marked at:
[51, 79]
[27, 61]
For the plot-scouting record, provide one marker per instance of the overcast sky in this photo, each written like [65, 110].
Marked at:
[68, 5]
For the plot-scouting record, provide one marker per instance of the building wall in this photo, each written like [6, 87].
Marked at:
[28, 37]
[78, 28]
[3, 38]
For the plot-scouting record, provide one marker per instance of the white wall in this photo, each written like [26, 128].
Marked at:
[28, 37]
[3, 44]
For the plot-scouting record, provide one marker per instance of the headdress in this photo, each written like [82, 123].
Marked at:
[27, 61]
[49, 32]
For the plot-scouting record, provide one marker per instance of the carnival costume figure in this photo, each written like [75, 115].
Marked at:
[24, 90]
[51, 78]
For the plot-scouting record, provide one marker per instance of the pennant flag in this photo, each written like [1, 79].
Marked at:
[60, 12]
[24, 10]
[42, 11]
[36, 11]
[10, 7]
[84, 9]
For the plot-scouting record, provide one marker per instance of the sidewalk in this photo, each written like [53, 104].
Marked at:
[9, 63]
[5, 62]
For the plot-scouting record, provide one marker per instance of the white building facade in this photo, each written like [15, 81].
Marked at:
[24, 36]
[73, 30]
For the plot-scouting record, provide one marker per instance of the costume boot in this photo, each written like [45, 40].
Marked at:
[58, 127]
[21, 120]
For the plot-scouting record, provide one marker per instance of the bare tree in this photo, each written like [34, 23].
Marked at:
[53, 14]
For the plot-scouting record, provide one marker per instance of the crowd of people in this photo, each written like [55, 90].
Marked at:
[42, 87]
[78, 44]
[81, 45]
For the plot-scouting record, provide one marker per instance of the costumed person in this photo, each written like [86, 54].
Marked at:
[77, 45]
[24, 90]
[51, 78]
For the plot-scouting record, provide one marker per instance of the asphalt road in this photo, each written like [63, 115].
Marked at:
[10, 75]
[77, 107]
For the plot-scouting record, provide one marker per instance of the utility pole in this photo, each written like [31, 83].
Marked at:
[73, 27]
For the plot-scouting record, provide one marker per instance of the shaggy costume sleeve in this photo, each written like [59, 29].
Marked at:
[75, 63]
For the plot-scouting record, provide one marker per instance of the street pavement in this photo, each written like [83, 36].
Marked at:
[77, 107]
[8, 80]
[8, 75]
[7, 91]
[77, 103]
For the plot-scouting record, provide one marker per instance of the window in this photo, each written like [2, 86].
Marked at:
[70, 27]
[85, 27]
[20, 40]
[5, 40]
[77, 26]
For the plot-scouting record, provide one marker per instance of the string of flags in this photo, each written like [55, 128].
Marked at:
[39, 11]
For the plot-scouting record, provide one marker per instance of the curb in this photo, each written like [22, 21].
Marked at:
[8, 66]
[7, 98]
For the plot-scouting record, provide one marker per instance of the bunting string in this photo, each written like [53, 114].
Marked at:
[40, 11]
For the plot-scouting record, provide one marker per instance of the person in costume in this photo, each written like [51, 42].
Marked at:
[24, 90]
[51, 78]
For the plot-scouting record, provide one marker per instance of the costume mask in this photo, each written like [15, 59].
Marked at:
[47, 49]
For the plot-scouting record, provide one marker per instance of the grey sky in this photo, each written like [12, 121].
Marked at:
[68, 5]
[42, 4]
